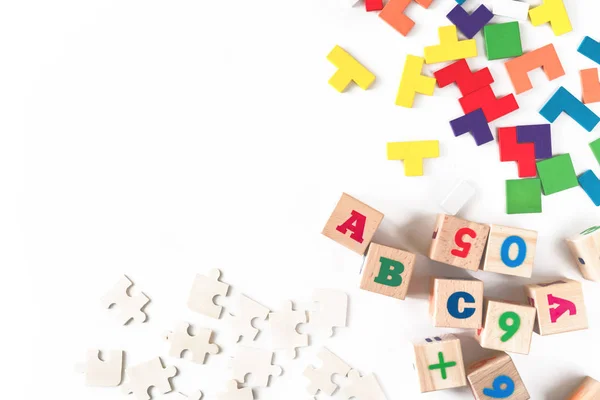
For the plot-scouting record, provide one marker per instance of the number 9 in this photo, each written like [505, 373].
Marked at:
[499, 392]
[509, 329]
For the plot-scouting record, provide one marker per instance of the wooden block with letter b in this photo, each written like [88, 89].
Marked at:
[510, 251]
[588, 390]
[458, 242]
[585, 248]
[352, 224]
[559, 305]
[439, 363]
[506, 326]
[496, 378]
[387, 271]
[456, 303]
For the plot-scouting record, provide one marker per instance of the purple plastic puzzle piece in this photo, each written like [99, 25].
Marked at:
[540, 136]
[475, 123]
[470, 24]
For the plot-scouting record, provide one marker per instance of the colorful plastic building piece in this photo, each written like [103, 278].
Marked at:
[475, 123]
[557, 174]
[590, 48]
[590, 85]
[590, 183]
[373, 5]
[492, 107]
[545, 57]
[460, 1]
[541, 137]
[510, 150]
[523, 196]
[563, 101]
[393, 14]
[460, 73]
[470, 24]
[511, 8]
[450, 48]
[349, 70]
[413, 154]
[413, 82]
[554, 12]
[595, 146]
[502, 40]
[457, 198]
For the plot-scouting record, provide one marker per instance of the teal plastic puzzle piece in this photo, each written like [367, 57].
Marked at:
[557, 174]
[590, 183]
[563, 101]
[502, 40]
[523, 196]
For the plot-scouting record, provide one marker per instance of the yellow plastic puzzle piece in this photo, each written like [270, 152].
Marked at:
[554, 12]
[412, 82]
[450, 48]
[413, 154]
[348, 70]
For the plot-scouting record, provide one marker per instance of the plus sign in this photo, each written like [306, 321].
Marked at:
[442, 365]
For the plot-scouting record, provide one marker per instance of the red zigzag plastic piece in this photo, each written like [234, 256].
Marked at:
[522, 153]
[460, 73]
[492, 107]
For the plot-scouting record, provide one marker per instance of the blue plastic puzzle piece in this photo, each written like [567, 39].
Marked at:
[563, 101]
[460, 1]
[590, 48]
[590, 183]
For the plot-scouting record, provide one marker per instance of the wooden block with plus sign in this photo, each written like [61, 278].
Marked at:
[506, 326]
[585, 248]
[496, 378]
[458, 242]
[559, 306]
[588, 390]
[387, 271]
[510, 251]
[456, 303]
[439, 363]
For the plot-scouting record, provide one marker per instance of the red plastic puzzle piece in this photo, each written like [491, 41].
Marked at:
[522, 153]
[492, 107]
[373, 5]
[460, 73]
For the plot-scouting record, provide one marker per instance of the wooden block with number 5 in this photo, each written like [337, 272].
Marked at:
[559, 305]
[352, 224]
[456, 303]
[588, 390]
[458, 242]
[496, 378]
[510, 251]
[439, 363]
[506, 326]
[387, 271]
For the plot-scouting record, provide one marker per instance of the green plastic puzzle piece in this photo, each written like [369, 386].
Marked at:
[502, 40]
[557, 174]
[595, 146]
[523, 196]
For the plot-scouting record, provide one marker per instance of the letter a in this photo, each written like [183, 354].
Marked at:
[354, 224]
[563, 307]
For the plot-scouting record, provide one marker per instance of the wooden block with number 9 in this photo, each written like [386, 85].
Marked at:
[506, 326]
[496, 378]
[458, 242]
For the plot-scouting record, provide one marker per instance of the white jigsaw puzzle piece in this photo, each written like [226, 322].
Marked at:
[197, 395]
[363, 388]
[332, 312]
[199, 344]
[320, 378]
[249, 360]
[283, 329]
[204, 290]
[233, 393]
[458, 197]
[514, 9]
[146, 375]
[241, 321]
[102, 373]
[129, 307]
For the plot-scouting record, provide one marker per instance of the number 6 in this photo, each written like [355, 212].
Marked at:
[498, 391]
[509, 329]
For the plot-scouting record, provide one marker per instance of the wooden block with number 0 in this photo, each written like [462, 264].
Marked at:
[585, 248]
[439, 363]
[496, 378]
[506, 326]
[387, 271]
[456, 303]
[458, 242]
[559, 306]
[510, 251]
[588, 390]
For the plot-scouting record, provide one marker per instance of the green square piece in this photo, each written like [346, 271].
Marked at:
[557, 174]
[523, 196]
[502, 40]
[595, 146]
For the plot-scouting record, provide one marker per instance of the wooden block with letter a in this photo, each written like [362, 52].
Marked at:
[458, 242]
[506, 326]
[510, 251]
[387, 271]
[496, 378]
[456, 303]
[352, 224]
[559, 305]
[585, 248]
[439, 363]
[588, 390]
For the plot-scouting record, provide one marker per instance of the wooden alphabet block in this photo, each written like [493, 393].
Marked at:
[588, 390]
[559, 305]
[387, 271]
[456, 303]
[506, 326]
[439, 363]
[585, 248]
[510, 251]
[458, 242]
[496, 378]
[352, 224]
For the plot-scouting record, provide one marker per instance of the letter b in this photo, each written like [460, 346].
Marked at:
[389, 272]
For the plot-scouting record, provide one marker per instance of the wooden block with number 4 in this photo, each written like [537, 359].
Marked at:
[588, 390]
[458, 242]
[510, 251]
[439, 363]
[496, 378]
[387, 271]
[559, 306]
[456, 303]
[506, 326]
[352, 224]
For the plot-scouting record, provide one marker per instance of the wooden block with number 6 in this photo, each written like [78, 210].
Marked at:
[458, 242]
[588, 390]
[506, 326]
[496, 378]
[387, 271]
[585, 248]
[439, 363]
[510, 251]
[456, 303]
[559, 305]
[352, 224]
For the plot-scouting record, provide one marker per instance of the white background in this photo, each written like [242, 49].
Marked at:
[165, 138]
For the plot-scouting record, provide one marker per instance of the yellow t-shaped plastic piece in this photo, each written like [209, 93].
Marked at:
[413, 154]
[413, 82]
[348, 70]
[554, 12]
[450, 48]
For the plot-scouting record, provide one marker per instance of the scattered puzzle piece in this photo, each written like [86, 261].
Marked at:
[510, 150]
[563, 101]
[554, 12]
[557, 174]
[393, 14]
[460, 73]
[511, 8]
[541, 137]
[457, 198]
[590, 48]
[470, 24]
[590, 183]
[233, 393]
[363, 388]
[146, 375]
[129, 307]
[502, 40]
[103, 373]
[284, 332]
[545, 57]
[332, 312]
[492, 107]
[450, 48]
[199, 344]
[241, 321]
[413, 154]
[349, 70]
[254, 361]
[413, 82]
[204, 290]
[590, 85]
[320, 378]
[523, 196]
[475, 123]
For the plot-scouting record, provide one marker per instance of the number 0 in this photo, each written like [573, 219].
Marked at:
[521, 251]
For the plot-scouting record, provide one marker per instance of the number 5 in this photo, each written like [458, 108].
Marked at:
[464, 247]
